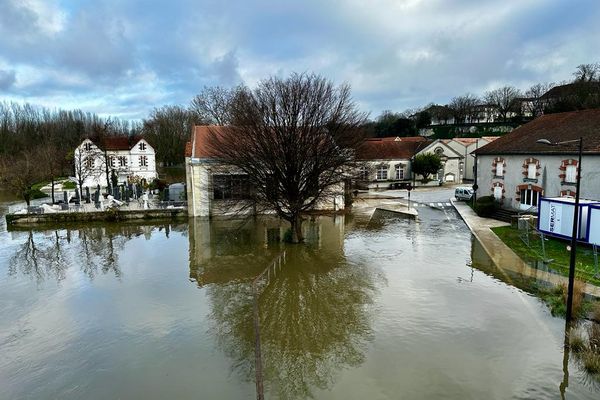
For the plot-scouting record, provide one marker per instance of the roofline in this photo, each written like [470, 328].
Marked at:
[537, 153]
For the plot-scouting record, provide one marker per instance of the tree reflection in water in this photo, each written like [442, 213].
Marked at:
[49, 254]
[315, 316]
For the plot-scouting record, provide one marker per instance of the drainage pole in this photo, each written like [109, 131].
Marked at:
[257, 353]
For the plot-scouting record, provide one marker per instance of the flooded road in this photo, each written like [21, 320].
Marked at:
[369, 308]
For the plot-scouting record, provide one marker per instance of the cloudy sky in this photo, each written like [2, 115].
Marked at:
[125, 57]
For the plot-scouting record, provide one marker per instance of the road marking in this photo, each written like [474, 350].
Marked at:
[440, 205]
[431, 205]
[447, 204]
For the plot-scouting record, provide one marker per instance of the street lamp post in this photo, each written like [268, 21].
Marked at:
[575, 223]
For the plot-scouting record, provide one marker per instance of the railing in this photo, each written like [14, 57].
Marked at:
[258, 284]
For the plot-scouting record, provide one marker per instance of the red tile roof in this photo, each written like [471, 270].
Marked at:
[554, 127]
[117, 142]
[198, 147]
[379, 149]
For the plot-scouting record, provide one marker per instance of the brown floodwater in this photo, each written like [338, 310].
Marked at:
[369, 308]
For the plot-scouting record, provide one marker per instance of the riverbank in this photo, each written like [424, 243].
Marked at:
[94, 216]
[502, 255]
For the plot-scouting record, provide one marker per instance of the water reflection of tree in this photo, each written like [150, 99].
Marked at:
[315, 320]
[95, 249]
[43, 259]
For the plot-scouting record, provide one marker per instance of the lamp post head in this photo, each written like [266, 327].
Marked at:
[545, 141]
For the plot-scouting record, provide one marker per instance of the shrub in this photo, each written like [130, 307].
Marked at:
[591, 361]
[578, 293]
[485, 206]
[69, 185]
[577, 342]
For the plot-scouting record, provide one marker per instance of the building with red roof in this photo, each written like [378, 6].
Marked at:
[517, 170]
[128, 157]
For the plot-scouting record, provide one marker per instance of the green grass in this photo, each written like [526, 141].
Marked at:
[555, 249]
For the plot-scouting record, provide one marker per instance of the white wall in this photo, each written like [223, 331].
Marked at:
[548, 179]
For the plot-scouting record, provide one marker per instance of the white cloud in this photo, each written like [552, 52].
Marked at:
[129, 57]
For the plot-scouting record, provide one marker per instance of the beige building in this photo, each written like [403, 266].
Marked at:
[217, 189]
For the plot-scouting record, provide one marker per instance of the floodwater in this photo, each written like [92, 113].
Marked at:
[369, 308]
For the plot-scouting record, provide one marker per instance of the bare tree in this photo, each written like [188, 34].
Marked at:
[464, 107]
[88, 163]
[587, 73]
[21, 171]
[503, 100]
[167, 129]
[214, 104]
[534, 103]
[292, 138]
[53, 164]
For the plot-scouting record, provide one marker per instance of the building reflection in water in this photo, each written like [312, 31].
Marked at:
[315, 316]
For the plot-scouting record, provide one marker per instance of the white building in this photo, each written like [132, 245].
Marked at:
[465, 146]
[218, 189]
[130, 158]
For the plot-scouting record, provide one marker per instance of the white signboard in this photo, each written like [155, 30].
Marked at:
[594, 225]
[556, 218]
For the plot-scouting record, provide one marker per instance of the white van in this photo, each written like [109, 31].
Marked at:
[463, 193]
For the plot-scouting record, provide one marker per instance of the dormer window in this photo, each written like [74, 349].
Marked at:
[142, 146]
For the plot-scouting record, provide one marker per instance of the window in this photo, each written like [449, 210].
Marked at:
[87, 146]
[142, 146]
[529, 197]
[571, 174]
[399, 172]
[111, 161]
[498, 193]
[364, 173]
[382, 173]
[500, 169]
[89, 162]
[532, 171]
[230, 187]
[122, 161]
[143, 161]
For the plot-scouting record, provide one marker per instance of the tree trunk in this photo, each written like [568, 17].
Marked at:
[52, 184]
[296, 228]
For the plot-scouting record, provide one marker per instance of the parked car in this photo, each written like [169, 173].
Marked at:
[463, 193]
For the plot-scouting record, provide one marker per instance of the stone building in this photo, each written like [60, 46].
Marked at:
[517, 170]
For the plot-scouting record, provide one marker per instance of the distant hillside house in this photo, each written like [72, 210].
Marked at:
[129, 158]
[517, 170]
[217, 189]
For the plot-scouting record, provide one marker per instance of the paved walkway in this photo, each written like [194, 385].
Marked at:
[502, 255]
